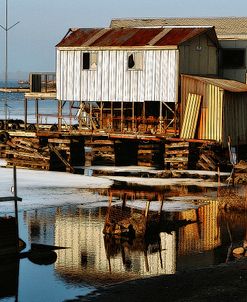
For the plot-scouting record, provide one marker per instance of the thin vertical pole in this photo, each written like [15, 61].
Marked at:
[6, 64]
[111, 115]
[37, 112]
[16, 209]
[25, 112]
[101, 115]
[161, 116]
[122, 116]
[6, 28]
[60, 115]
[133, 115]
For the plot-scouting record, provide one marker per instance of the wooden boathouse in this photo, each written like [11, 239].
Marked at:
[127, 80]
[122, 88]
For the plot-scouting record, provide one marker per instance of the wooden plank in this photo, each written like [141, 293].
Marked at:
[177, 145]
[191, 116]
[63, 160]
[10, 198]
[59, 140]
[23, 154]
[177, 152]
[176, 159]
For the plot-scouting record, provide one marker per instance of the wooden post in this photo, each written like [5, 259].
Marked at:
[16, 209]
[101, 115]
[161, 117]
[218, 174]
[122, 114]
[80, 116]
[25, 113]
[70, 114]
[37, 113]
[91, 116]
[146, 213]
[59, 122]
[111, 115]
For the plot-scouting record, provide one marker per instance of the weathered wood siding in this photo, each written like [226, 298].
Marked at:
[198, 56]
[113, 81]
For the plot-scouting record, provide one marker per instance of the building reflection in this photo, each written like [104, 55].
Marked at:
[188, 239]
[9, 277]
[102, 259]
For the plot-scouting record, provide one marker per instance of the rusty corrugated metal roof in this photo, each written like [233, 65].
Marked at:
[226, 27]
[179, 35]
[125, 37]
[228, 85]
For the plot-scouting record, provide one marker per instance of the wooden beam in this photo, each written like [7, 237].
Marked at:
[10, 198]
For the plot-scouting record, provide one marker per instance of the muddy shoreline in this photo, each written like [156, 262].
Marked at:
[225, 282]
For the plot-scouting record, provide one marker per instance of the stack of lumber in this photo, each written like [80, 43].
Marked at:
[102, 152]
[150, 154]
[176, 155]
[26, 152]
[3, 148]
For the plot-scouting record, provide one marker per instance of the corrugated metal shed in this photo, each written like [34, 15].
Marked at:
[228, 85]
[130, 37]
[223, 110]
[226, 27]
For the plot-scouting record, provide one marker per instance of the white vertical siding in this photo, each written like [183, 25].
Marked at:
[113, 81]
[58, 75]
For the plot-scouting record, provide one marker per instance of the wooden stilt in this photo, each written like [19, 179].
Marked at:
[37, 113]
[25, 113]
[59, 122]
[101, 115]
[161, 117]
[122, 114]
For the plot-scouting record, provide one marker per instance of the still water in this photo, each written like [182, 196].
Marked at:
[15, 107]
[189, 239]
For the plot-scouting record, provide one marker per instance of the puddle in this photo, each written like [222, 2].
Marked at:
[192, 232]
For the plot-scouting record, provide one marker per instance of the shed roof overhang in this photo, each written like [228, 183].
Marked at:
[228, 85]
[128, 38]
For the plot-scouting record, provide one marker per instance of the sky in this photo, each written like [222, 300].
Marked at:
[43, 23]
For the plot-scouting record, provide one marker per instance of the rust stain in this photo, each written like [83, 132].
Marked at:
[128, 37]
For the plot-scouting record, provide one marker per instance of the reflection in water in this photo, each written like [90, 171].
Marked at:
[188, 239]
[9, 274]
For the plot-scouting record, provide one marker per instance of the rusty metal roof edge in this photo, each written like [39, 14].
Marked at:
[234, 86]
[103, 31]
[94, 48]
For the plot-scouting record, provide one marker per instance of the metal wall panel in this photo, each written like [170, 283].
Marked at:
[234, 117]
[113, 81]
[58, 75]
[210, 118]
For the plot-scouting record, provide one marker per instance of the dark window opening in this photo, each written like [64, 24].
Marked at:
[86, 60]
[131, 61]
[233, 58]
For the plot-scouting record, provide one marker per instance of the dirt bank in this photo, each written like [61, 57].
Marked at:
[226, 282]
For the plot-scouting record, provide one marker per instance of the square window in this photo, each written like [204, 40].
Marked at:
[89, 60]
[135, 61]
[232, 58]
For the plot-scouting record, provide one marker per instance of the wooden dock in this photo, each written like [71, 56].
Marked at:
[15, 90]
[64, 150]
